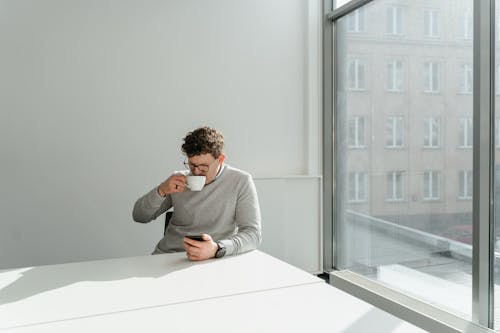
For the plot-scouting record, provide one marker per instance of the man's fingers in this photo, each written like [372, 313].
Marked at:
[206, 237]
[179, 178]
[193, 253]
[193, 257]
[198, 250]
[178, 186]
[175, 183]
[193, 242]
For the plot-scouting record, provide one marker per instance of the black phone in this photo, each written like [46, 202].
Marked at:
[195, 237]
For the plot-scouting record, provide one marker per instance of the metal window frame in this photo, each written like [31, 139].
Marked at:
[483, 154]
[328, 139]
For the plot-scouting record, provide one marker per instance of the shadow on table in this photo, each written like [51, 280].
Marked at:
[40, 279]
[375, 320]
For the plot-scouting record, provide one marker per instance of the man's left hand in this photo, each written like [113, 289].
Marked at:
[200, 250]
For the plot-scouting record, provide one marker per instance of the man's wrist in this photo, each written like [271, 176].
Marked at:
[215, 248]
[220, 251]
[160, 192]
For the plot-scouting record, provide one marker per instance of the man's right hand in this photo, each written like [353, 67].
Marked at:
[175, 183]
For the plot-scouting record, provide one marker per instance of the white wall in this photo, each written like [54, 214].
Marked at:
[95, 96]
[291, 210]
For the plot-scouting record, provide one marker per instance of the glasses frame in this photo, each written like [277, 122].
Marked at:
[200, 167]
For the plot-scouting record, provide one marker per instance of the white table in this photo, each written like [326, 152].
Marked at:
[252, 292]
[56, 292]
[304, 308]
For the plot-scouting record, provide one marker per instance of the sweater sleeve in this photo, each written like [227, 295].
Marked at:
[150, 206]
[247, 219]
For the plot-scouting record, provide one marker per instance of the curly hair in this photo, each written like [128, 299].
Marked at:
[203, 140]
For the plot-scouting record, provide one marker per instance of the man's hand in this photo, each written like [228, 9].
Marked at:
[173, 184]
[200, 250]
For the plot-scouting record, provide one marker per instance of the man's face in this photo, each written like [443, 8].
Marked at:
[205, 165]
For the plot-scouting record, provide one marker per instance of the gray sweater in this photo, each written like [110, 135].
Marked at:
[227, 209]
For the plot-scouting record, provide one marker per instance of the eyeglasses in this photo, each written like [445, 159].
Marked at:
[201, 167]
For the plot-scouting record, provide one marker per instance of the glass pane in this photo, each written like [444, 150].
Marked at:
[338, 3]
[412, 229]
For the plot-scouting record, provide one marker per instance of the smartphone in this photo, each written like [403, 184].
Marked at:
[195, 237]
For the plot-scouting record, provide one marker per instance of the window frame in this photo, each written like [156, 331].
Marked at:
[432, 128]
[358, 183]
[360, 69]
[431, 23]
[394, 20]
[465, 132]
[431, 178]
[359, 135]
[465, 78]
[392, 74]
[358, 20]
[432, 77]
[393, 186]
[394, 122]
[467, 25]
[465, 185]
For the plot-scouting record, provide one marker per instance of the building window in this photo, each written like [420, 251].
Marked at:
[394, 21]
[431, 23]
[395, 132]
[358, 186]
[431, 132]
[497, 24]
[356, 74]
[465, 79]
[431, 77]
[394, 75]
[357, 132]
[395, 186]
[497, 80]
[431, 185]
[356, 20]
[466, 25]
[465, 133]
[465, 184]
[497, 133]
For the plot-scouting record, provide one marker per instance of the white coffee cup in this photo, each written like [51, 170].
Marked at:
[195, 183]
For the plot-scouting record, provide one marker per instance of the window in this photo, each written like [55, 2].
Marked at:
[431, 77]
[394, 75]
[431, 132]
[466, 25]
[497, 133]
[357, 132]
[356, 20]
[413, 75]
[358, 186]
[465, 184]
[465, 79]
[356, 75]
[395, 132]
[465, 133]
[497, 81]
[431, 185]
[431, 23]
[497, 23]
[395, 186]
[394, 21]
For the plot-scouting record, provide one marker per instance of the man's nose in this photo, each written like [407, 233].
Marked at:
[196, 171]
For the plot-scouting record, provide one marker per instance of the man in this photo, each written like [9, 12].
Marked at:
[225, 212]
